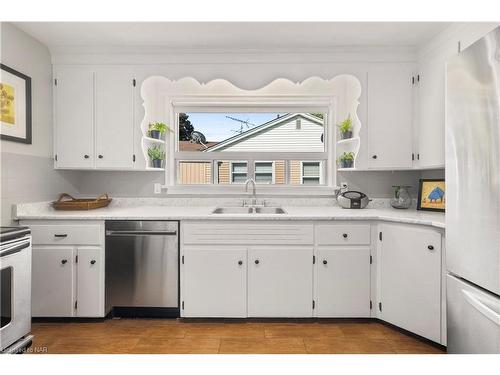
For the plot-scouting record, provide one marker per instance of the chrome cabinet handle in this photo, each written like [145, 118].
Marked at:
[64, 261]
[345, 235]
[100, 156]
[257, 261]
[92, 261]
[430, 247]
[86, 156]
[325, 261]
[60, 235]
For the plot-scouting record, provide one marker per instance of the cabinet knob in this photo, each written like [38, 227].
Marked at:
[240, 262]
[374, 156]
[100, 156]
[60, 235]
[430, 247]
[86, 156]
[92, 261]
[325, 261]
[64, 261]
[257, 261]
[345, 235]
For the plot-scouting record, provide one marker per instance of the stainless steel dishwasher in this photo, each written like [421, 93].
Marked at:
[142, 268]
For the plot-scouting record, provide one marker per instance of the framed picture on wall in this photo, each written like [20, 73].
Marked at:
[15, 105]
[431, 195]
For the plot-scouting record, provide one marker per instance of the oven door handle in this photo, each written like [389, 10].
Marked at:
[14, 249]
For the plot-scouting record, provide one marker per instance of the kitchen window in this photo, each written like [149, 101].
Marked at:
[275, 148]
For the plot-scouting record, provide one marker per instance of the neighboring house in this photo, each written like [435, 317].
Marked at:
[300, 132]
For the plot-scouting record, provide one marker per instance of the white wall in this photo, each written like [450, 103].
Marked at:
[27, 172]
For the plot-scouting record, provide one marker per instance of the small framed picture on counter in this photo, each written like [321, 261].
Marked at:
[431, 195]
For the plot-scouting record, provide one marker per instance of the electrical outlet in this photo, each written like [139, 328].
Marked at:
[157, 188]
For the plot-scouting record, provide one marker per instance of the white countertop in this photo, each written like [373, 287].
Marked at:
[120, 212]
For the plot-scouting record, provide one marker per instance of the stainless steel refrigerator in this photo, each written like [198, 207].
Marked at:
[473, 197]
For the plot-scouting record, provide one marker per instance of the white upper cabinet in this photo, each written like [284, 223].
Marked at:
[114, 113]
[94, 117]
[390, 112]
[430, 125]
[430, 130]
[74, 117]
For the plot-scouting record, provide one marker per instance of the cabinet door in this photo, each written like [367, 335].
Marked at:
[53, 281]
[74, 117]
[410, 279]
[214, 282]
[114, 104]
[431, 93]
[343, 282]
[90, 282]
[390, 117]
[280, 282]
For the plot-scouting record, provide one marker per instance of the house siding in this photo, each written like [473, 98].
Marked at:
[195, 173]
[284, 137]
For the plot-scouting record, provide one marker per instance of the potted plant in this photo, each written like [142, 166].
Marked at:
[346, 160]
[345, 128]
[157, 129]
[157, 155]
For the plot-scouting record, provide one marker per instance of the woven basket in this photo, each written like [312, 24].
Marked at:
[80, 204]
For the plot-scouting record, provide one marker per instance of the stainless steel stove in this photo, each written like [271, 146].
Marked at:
[15, 286]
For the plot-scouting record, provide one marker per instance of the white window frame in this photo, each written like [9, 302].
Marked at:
[321, 171]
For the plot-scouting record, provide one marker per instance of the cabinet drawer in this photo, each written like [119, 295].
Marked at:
[66, 234]
[342, 234]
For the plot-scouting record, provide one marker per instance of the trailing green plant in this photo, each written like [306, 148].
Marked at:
[345, 125]
[156, 153]
[159, 126]
[346, 156]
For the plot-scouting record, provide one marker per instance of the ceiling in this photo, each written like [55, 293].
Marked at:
[232, 35]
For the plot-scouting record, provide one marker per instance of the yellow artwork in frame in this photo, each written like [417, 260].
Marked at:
[7, 104]
[431, 195]
[15, 105]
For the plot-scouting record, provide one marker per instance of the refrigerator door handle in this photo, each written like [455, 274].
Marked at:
[481, 307]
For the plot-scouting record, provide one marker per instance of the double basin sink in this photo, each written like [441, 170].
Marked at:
[249, 210]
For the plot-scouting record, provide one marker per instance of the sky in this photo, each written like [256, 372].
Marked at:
[217, 127]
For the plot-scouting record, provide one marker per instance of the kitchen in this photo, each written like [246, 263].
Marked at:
[250, 198]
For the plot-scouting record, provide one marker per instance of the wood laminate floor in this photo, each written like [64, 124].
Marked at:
[170, 336]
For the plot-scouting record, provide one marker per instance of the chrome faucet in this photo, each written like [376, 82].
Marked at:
[254, 190]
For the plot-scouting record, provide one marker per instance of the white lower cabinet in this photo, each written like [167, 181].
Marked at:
[215, 282]
[90, 282]
[343, 282]
[53, 276]
[67, 281]
[410, 279]
[280, 282]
